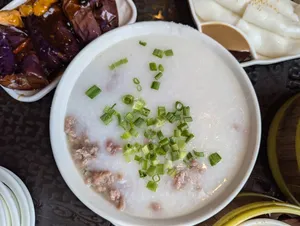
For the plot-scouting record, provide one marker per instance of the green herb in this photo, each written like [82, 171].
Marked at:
[214, 159]
[139, 122]
[155, 85]
[156, 178]
[142, 43]
[151, 171]
[152, 185]
[169, 52]
[158, 76]
[152, 66]
[93, 91]
[128, 99]
[142, 174]
[198, 154]
[158, 53]
[136, 81]
[161, 68]
[118, 63]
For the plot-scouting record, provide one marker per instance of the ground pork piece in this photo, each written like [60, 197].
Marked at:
[117, 198]
[112, 148]
[155, 206]
[83, 155]
[101, 180]
[194, 165]
[70, 123]
[181, 179]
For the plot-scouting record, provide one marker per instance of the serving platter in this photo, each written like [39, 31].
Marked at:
[257, 60]
[127, 15]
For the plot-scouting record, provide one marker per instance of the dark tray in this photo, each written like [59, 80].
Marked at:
[25, 145]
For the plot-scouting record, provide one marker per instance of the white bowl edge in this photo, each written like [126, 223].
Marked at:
[59, 105]
[35, 95]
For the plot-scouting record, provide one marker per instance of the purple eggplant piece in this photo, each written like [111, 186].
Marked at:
[106, 14]
[7, 63]
[54, 43]
[14, 35]
[82, 20]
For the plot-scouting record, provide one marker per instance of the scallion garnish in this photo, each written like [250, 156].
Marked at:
[177, 133]
[156, 178]
[189, 156]
[169, 52]
[167, 148]
[185, 133]
[152, 185]
[183, 126]
[133, 132]
[151, 121]
[139, 87]
[189, 138]
[158, 53]
[152, 66]
[214, 159]
[128, 99]
[171, 172]
[118, 63]
[139, 122]
[93, 91]
[186, 111]
[150, 134]
[145, 111]
[106, 118]
[129, 117]
[158, 76]
[188, 119]
[142, 174]
[155, 85]
[136, 81]
[160, 169]
[160, 151]
[174, 156]
[138, 104]
[151, 171]
[142, 43]
[161, 111]
[144, 164]
[182, 154]
[164, 141]
[126, 135]
[137, 158]
[160, 135]
[198, 154]
[161, 68]
[178, 106]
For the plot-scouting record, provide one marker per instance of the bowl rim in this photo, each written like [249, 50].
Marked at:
[58, 108]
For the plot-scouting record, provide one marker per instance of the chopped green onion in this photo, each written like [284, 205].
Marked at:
[172, 140]
[169, 52]
[186, 111]
[151, 121]
[106, 118]
[150, 134]
[138, 104]
[152, 185]
[93, 91]
[119, 117]
[137, 158]
[156, 178]
[139, 87]
[177, 133]
[144, 164]
[152, 156]
[161, 111]
[160, 135]
[161, 68]
[128, 99]
[151, 146]
[168, 164]
[178, 106]
[139, 122]
[145, 149]
[127, 158]
[152, 66]
[214, 159]
[172, 119]
[171, 172]
[174, 156]
[198, 154]
[188, 119]
[158, 53]
[160, 151]
[151, 171]
[133, 132]
[189, 156]
[190, 137]
[182, 154]
[164, 141]
[142, 174]
[160, 121]
[142, 43]
[118, 63]
[185, 133]
[160, 169]
[175, 147]
[136, 81]
[126, 135]
[154, 162]
[129, 117]
[167, 148]
[145, 111]
[155, 85]
[158, 76]
[181, 144]
[183, 126]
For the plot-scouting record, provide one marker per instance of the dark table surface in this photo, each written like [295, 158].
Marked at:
[25, 145]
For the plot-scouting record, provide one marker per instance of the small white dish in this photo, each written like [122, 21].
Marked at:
[59, 143]
[257, 60]
[17, 191]
[26, 193]
[127, 15]
[2, 215]
[263, 222]
[12, 206]
[6, 212]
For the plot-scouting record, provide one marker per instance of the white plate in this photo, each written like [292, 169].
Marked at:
[263, 222]
[26, 193]
[127, 15]
[255, 61]
[59, 106]
[17, 191]
[6, 211]
[2, 215]
[12, 206]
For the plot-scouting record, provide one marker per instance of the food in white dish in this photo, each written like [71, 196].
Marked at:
[271, 26]
[189, 172]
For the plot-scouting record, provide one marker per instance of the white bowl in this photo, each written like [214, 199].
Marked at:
[263, 222]
[59, 143]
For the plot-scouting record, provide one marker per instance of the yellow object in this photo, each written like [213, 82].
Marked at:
[11, 18]
[25, 10]
[272, 155]
[42, 6]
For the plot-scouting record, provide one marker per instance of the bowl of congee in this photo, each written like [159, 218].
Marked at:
[156, 124]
